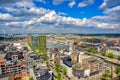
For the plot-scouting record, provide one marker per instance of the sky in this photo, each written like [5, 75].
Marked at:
[60, 16]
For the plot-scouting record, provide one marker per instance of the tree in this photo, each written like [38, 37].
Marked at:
[45, 57]
[119, 57]
[56, 67]
[59, 76]
[89, 50]
[47, 63]
[64, 70]
[117, 70]
[111, 55]
[94, 50]
[104, 76]
[103, 53]
[31, 78]
[36, 51]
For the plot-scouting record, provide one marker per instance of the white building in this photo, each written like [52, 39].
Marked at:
[69, 69]
[86, 72]
[82, 56]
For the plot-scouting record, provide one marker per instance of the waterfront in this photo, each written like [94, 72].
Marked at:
[59, 46]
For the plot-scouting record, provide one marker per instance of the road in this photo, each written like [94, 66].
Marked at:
[113, 61]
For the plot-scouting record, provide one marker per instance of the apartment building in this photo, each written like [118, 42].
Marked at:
[10, 67]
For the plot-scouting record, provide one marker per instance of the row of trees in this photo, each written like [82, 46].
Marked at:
[108, 74]
[118, 71]
[110, 55]
[35, 50]
[58, 69]
[118, 58]
[58, 76]
[93, 50]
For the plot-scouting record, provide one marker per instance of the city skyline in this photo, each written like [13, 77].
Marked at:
[59, 16]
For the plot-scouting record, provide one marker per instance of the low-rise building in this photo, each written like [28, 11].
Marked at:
[42, 72]
[89, 67]
[92, 64]
[66, 61]
[78, 70]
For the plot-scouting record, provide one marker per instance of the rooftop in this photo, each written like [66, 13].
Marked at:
[44, 75]
[78, 66]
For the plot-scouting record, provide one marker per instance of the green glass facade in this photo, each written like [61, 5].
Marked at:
[42, 44]
[39, 43]
[35, 42]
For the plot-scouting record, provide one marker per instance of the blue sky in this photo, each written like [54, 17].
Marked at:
[60, 16]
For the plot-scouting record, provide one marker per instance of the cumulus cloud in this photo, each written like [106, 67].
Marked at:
[60, 24]
[8, 1]
[41, 1]
[85, 3]
[36, 19]
[111, 15]
[24, 3]
[108, 3]
[71, 4]
[5, 16]
[30, 12]
[57, 2]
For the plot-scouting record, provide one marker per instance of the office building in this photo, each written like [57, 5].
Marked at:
[42, 44]
[39, 44]
[35, 42]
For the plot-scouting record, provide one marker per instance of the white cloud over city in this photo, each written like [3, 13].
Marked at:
[24, 15]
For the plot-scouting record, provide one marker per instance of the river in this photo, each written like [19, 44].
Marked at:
[59, 46]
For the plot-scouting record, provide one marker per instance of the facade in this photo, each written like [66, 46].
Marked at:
[32, 60]
[66, 62]
[39, 44]
[22, 76]
[75, 56]
[9, 67]
[78, 70]
[92, 64]
[82, 56]
[42, 44]
[89, 66]
[14, 55]
[42, 72]
[35, 42]
[53, 54]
